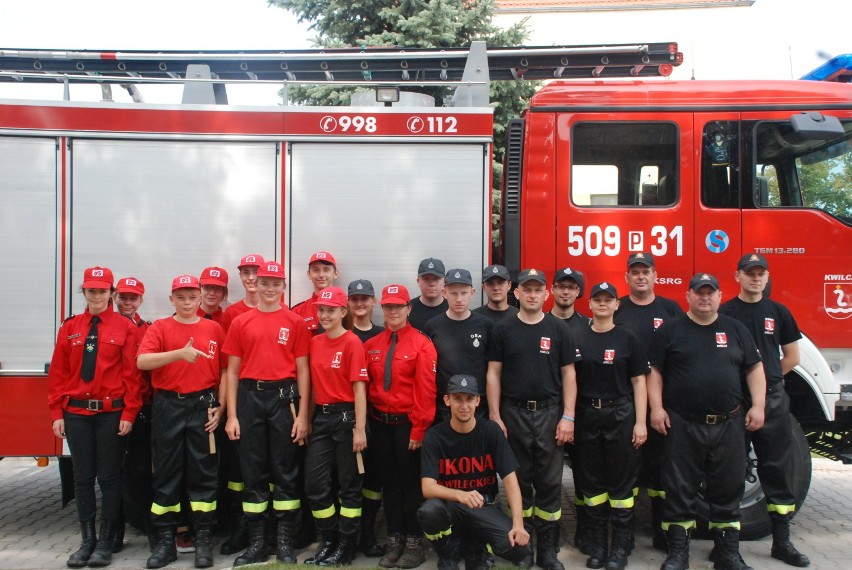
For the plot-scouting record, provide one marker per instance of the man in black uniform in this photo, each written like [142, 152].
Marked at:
[642, 312]
[460, 462]
[695, 393]
[775, 332]
[496, 283]
[430, 303]
[531, 394]
[460, 337]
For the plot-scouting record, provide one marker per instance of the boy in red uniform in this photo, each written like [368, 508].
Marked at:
[322, 271]
[268, 378]
[184, 354]
[214, 291]
[248, 275]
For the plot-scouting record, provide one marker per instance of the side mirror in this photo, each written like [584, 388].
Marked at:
[812, 126]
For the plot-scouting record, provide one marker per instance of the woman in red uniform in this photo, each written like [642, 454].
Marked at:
[94, 396]
[401, 367]
[339, 389]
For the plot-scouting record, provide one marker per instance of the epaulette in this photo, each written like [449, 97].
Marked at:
[68, 318]
[142, 322]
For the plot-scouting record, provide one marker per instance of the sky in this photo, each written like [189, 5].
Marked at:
[772, 39]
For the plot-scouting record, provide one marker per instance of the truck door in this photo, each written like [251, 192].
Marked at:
[717, 241]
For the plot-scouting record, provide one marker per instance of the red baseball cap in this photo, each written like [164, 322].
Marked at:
[97, 278]
[395, 295]
[130, 285]
[331, 297]
[271, 269]
[185, 282]
[214, 276]
[251, 260]
[323, 257]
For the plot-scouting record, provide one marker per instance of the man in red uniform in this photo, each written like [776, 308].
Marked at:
[322, 271]
[184, 354]
[268, 380]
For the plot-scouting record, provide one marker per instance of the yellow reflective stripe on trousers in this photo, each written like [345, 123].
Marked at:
[161, 509]
[440, 534]
[286, 505]
[578, 501]
[350, 512]
[621, 503]
[730, 524]
[685, 524]
[597, 500]
[781, 509]
[527, 513]
[202, 506]
[320, 514]
[656, 494]
[370, 494]
[236, 486]
[255, 507]
[548, 516]
[635, 491]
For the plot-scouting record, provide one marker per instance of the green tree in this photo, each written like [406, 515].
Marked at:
[415, 24]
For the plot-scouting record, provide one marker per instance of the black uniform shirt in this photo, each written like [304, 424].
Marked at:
[577, 323]
[532, 356]
[422, 314]
[702, 364]
[643, 320]
[608, 362]
[467, 461]
[771, 326]
[367, 335]
[496, 316]
[461, 348]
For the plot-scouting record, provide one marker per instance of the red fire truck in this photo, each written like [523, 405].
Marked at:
[695, 172]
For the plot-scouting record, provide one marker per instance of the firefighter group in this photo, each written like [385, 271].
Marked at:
[304, 420]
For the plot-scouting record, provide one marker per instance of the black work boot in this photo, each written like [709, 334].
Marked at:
[474, 553]
[102, 554]
[343, 554]
[286, 536]
[164, 548]
[327, 545]
[677, 538]
[256, 551]
[581, 533]
[727, 545]
[449, 552]
[412, 555]
[87, 545]
[782, 548]
[367, 543]
[392, 552]
[659, 542]
[238, 538]
[621, 539]
[545, 549]
[118, 536]
[597, 544]
[203, 546]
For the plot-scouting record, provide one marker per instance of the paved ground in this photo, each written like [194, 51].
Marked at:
[36, 534]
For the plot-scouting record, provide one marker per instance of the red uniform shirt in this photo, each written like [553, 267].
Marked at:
[141, 328]
[413, 377]
[234, 311]
[168, 334]
[335, 364]
[268, 343]
[217, 316]
[116, 374]
[309, 311]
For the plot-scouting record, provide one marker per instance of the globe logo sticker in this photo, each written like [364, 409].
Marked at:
[717, 241]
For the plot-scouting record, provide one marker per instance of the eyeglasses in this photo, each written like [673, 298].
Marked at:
[567, 287]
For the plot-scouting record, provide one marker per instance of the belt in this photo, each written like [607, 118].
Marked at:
[198, 395]
[774, 387]
[533, 405]
[335, 408]
[97, 405]
[389, 418]
[711, 419]
[598, 403]
[261, 385]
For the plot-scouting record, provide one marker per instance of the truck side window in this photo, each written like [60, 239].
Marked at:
[624, 164]
[791, 172]
[720, 187]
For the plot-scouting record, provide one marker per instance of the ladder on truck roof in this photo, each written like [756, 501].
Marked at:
[472, 68]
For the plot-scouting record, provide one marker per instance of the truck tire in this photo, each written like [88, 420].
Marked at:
[755, 519]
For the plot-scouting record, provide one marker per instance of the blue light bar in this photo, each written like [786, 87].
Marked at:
[836, 69]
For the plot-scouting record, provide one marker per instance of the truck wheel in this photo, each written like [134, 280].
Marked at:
[755, 519]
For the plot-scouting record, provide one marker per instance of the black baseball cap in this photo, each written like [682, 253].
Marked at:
[495, 271]
[531, 275]
[605, 287]
[458, 276]
[699, 280]
[462, 384]
[431, 266]
[574, 275]
[751, 260]
[361, 287]
[642, 257]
